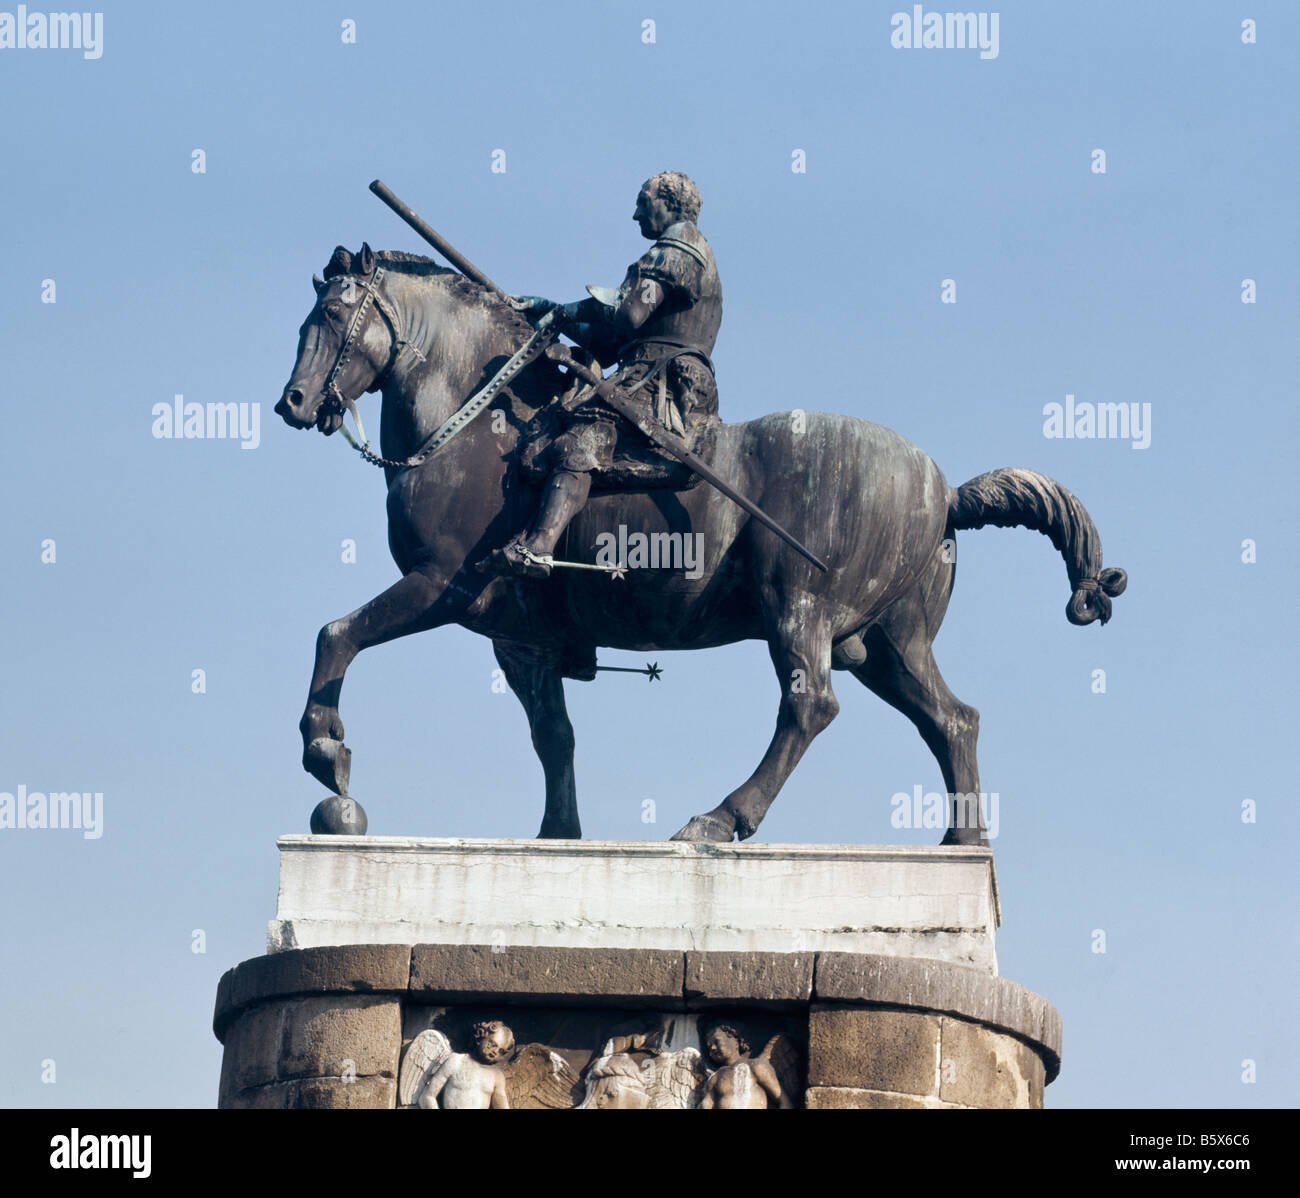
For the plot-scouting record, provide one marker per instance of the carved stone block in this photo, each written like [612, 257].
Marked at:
[332, 1093]
[606, 977]
[252, 1056]
[348, 968]
[981, 1067]
[874, 1049]
[332, 1035]
[760, 978]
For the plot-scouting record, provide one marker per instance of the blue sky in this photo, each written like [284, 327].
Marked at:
[1119, 811]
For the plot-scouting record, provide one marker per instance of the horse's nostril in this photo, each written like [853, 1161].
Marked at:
[294, 398]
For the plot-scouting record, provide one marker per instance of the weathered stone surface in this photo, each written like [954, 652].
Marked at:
[873, 1049]
[945, 988]
[744, 978]
[317, 1093]
[348, 968]
[907, 900]
[321, 1035]
[332, 1093]
[223, 1009]
[252, 1050]
[845, 1098]
[596, 977]
[279, 1096]
[981, 1067]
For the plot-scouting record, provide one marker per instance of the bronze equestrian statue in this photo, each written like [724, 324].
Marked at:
[863, 500]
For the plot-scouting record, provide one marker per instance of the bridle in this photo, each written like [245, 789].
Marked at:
[334, 399]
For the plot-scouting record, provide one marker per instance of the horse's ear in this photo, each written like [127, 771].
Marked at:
[318, 283]
[340, 263]
[364, 262]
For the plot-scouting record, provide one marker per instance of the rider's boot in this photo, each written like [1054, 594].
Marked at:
[566, 492]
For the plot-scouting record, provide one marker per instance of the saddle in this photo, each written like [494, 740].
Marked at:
[636, 465]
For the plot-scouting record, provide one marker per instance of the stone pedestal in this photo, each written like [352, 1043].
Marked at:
[920, 901]
[865, 976]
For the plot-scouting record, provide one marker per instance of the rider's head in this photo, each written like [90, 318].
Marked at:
[665, 199]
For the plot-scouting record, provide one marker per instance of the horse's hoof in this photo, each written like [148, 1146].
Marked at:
[706, 828]
[339, 815]
[329, 762]
[560, 832]
[967, 838]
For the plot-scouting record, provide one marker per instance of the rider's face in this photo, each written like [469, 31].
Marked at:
[652, 215]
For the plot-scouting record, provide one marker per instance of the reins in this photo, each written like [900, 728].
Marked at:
[545, 332]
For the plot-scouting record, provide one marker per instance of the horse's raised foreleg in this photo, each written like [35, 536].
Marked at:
[800, 647]
[410, 605]
[537, 681]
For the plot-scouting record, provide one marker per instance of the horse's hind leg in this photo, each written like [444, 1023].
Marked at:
[900, 668]
[409, 605]
[800, 647]
[538, 683]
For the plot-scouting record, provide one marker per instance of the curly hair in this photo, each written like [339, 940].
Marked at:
[734, 1033]
[484, 1029]
[677, 191]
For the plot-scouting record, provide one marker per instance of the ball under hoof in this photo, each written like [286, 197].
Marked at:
[338, 815]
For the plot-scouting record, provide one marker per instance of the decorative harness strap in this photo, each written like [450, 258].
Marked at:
[543, 335]
[545, 332]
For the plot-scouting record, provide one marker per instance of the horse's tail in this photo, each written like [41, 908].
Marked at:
[1015, 498]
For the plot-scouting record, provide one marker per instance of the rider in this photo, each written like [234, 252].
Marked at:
[660, 326]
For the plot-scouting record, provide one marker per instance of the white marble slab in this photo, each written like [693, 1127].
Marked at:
[934, 902]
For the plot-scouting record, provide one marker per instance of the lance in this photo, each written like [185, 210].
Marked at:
[433, 237]
[654, 432]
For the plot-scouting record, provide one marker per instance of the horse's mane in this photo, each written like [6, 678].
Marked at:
[417, 265]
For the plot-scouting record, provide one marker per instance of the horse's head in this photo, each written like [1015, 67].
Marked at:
[345, 346]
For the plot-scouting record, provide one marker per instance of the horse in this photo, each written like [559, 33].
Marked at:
[868, 502]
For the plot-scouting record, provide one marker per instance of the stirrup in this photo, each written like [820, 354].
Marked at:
[518, 560]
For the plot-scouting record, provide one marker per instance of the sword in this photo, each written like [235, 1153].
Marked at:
[654, 432]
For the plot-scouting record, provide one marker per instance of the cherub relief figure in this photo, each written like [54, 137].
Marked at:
[492, 1075]
[742, 1082]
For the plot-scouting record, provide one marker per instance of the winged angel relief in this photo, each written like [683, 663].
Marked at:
[637, 1072]
[492, 1075]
